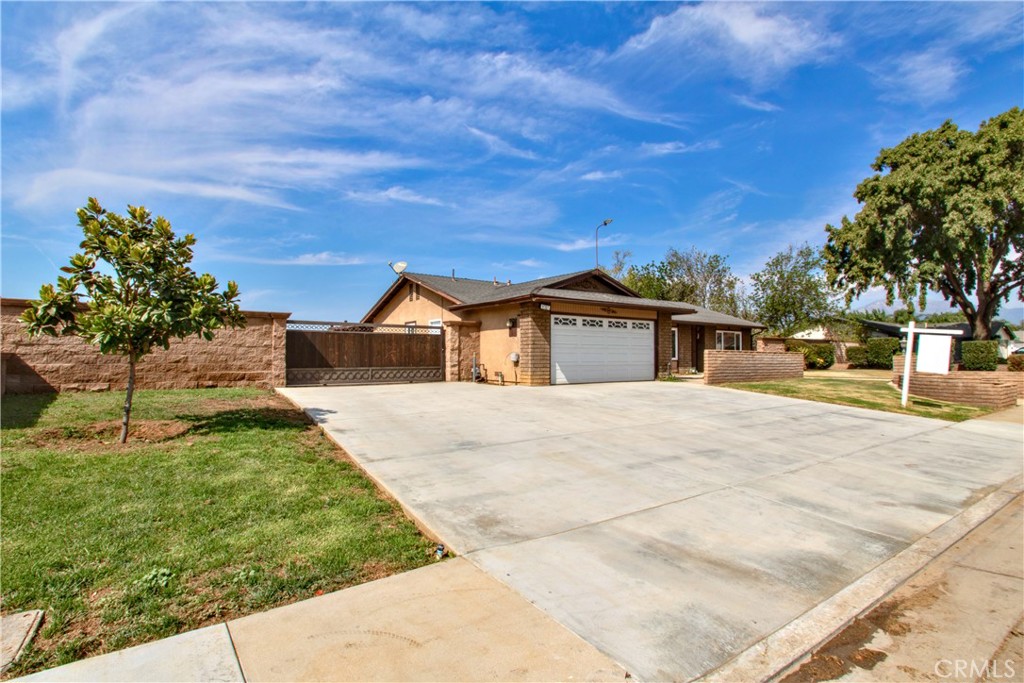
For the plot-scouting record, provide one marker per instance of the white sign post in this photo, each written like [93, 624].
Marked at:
[932, 354]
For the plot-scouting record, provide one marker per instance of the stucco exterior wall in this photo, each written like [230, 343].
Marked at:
[602, 311]
[423, 308]
[497, 341]
[253, 356]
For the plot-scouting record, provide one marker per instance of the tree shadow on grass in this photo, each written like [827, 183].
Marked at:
[20, 411]
[245, 419]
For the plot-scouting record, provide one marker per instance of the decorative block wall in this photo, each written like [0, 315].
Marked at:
[993, 389]
[722, 367]
[253, 356]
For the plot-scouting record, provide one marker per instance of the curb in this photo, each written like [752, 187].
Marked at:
[792, 644]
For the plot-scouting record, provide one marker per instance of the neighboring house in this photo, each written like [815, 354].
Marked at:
[1001, 333]
[816, 333]
[579, 327]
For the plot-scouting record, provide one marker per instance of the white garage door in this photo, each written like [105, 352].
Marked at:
[585, 349]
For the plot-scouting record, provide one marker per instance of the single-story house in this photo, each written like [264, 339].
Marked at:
[580, 327]
[1000, 332]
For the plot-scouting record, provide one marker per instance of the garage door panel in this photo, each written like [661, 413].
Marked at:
[588, 349]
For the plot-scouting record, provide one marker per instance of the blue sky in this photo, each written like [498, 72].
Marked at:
[306, 145]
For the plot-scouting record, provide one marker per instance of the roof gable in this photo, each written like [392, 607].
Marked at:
[594, 281]
[465, 293]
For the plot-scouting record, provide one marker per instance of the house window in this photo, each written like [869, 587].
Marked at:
[728, 341]
[675, 343]
[410, 327]
[435, 323]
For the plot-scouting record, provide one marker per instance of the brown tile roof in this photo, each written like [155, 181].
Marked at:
[469, 293]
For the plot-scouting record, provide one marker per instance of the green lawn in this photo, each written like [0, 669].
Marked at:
[224, 502]
[863, 394]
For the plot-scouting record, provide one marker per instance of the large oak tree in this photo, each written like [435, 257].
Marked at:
[943, 212]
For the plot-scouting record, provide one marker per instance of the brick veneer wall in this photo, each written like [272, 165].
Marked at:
[664, 344]
[974, 388]
[686, 359]
[253, 356]
[721, 367]
[534, 345]
[776, 344]
[461, 343]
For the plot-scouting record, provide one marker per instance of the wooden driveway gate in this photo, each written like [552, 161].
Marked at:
[325, 353]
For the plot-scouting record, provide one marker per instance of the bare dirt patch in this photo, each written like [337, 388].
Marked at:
[849, 648]
[103, 435]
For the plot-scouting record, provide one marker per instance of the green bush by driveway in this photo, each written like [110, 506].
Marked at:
[224, 502]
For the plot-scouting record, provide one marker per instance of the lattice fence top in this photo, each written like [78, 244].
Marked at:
[363, 328]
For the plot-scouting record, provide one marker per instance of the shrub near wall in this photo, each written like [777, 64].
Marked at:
[1015, 363]
[979, 355]
[881, 351]
[857, 356]
[816, 356]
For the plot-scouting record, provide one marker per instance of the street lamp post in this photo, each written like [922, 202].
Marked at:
[597, 258]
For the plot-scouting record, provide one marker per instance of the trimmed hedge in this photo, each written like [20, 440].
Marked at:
[816, 356]
[979, 355]
[1015, 363]
[857, 356]
[881, 351]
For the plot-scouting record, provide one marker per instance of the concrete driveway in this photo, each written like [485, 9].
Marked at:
[671, 525]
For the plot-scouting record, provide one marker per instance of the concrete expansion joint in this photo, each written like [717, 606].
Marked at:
[599, 522]
[234, 651]
[991, 572]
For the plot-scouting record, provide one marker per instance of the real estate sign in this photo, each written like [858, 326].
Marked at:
[933, 353]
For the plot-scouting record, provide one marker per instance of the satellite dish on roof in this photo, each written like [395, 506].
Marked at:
[398, 267]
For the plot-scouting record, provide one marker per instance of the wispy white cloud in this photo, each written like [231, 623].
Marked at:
[323, 258]
[499, 146]
[756, 42]
[676, 147]
[585, 243]
[926, 78]
[601, 175]
[396, 193]
[84, 182]
[755, 103]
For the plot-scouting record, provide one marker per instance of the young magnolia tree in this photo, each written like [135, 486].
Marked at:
[943, 212]
[143, 297]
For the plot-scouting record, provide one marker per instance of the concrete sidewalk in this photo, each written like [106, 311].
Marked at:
[445, 622]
